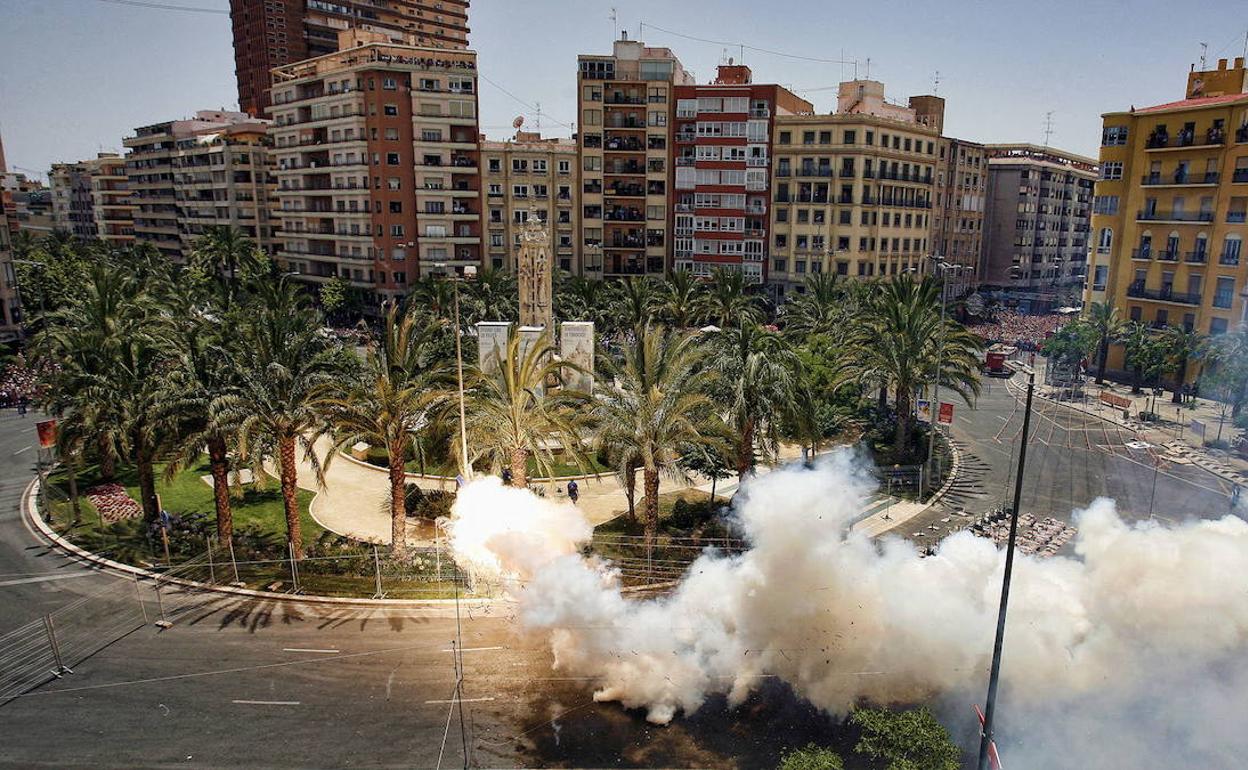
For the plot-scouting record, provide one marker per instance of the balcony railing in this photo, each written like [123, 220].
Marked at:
[1196, 257]
[1164, 294]
[1174, 216]
[1237, 217]
[1142, 253]
[1230, 260]
[1240, 174]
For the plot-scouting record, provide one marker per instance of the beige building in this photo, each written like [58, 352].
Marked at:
[625, 105]
[90, 199]
[958, 213]
[187, 175]
[378, 163]
[1171, 209]
[854, 190]
[526, 174]
[1039, 209]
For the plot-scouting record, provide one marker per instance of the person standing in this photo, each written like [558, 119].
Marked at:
[574, 491]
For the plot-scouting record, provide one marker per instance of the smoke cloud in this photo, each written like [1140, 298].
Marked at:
[1129, 655]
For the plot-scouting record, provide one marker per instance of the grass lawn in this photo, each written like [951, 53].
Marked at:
[379, 457]
[687, 525]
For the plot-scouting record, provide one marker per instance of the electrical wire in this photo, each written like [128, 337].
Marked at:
[749, 47]
[165, 6]
[536, 111]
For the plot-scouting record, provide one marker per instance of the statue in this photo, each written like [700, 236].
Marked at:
[534, 274]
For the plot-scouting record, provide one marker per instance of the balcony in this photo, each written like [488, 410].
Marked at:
[624, 215]
[628, 144]
[1162, 141]
[1174, 216]
[1239, 175]
[1167, 256]
[821, 171]
[626, 123]
[1228, 259]
[1241, 133]
[1195, 257]
[1145, 253]
[1166, 294]
[1177, 179]
[623, 98]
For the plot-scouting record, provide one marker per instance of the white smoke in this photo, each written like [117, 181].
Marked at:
[1129, 655]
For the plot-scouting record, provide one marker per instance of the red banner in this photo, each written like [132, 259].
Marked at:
[47, 433]
[945, 417]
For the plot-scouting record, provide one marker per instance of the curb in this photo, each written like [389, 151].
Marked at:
[451, 479]
[82, 555]
[954, 469]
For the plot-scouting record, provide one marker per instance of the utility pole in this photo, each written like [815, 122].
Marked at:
[990, 706]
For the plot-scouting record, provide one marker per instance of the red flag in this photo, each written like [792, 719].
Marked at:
[994, 759]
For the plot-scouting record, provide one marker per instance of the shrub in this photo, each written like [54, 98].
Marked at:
[811, 758]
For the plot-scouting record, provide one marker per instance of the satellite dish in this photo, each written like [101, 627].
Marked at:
[518, 122]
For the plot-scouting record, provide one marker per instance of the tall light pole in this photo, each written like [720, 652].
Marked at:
[990, 706]
[465, 466]
[943, 268]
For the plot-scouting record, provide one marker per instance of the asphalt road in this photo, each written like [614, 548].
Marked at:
[242, 683]
[1072, 459]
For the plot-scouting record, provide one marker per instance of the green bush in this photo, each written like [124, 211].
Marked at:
[908, 740]
[811, 758]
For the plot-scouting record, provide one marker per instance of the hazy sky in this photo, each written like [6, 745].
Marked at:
[78, 75]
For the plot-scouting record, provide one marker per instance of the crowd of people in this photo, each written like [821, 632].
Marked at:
[18, 383]
[1026, 332]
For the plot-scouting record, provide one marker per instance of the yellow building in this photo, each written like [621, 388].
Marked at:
[1169, 214]
[528, 173]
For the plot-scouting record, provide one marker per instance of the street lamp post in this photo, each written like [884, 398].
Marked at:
[465, 466]
[943, 268]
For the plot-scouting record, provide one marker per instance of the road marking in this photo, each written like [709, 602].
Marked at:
[473, 649]
[23, 449]
[267, 702]
[461, 700]
[304, 649]
[28, 430]
[45, 578]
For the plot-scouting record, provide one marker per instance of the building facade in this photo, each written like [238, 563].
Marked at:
[625, 108]
[1171, 209]
[1039, 215]
[184, 176]
[721, 155]
[958, 213]
[528, 174]
[10, 299]
[378, 164]
[90, 199]
[275, 33]
[853, 190]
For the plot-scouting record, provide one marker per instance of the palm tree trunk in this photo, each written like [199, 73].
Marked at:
[71, 466]
[1180, 377]
[1101, 360]
[108, 462]
[1138, 380]
[290, 498]
[147, 480]
[519, 468]
[901, 442]
[650, 515]
[882, 399]
[630, 491]
[745, 450]
[219, 464]
[398, 511]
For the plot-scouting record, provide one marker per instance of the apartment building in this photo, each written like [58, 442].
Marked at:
[721, 152]
[853, 190]
[185, 176]
[625, 107]
[1039, 214]
[275, 33]
[90, 199]
[10, 299]
[528, 174]
[378, 163]
[1171, 209]
[959, 210]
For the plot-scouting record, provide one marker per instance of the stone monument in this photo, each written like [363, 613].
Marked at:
[534, 274]
[491, 344]
[576, 346]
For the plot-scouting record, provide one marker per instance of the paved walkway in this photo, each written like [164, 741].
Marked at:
[355, 498]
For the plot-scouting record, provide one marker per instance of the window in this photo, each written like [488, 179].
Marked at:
[565, 167]
[392, 159]
[786, 137]
[1114, 135]
[519, 165]
[391, 109]
[495, 165]
[1105, 204]
[392, 134]
[851, 137]
[393, 183]
[396, 231]
[396, 207]
[389, 84]
[1111, 170]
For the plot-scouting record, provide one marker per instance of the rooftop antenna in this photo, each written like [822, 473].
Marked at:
[537, 123]
[868, 68]
[614, 22]
[1204, 52]
[1048, 127]
[936, 84]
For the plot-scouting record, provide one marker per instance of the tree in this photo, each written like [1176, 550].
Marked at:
[283, 398]
[680, 298]
[728, 301]
[755, 382]
[334, 296]
[905, 739]
[658, 405]
[492, 296]
[1145, 354]
[389, 403]
[821, 309]
[1107, 324]
[584, 299]
[1182, 346]
[221, 254]
[515, 415]
[1070, 345]
[636, 303]
[812, 757]
[896, 343]
[1226, 367]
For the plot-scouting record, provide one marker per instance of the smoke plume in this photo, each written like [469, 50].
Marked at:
[1129, 655]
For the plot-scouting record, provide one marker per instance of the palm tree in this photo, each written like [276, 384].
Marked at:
[755, 380]
[1227, 366]
[638, 299]
[821, 309]
[1105, 321]
[659, 404]
[896, 344]
[514, 415]
[584, 299]
[284, 395]
[492, 296]
[390, 402]
[220, 254]
[1143, 353]
[680, 299]
[728, 301]
[1183, 345]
